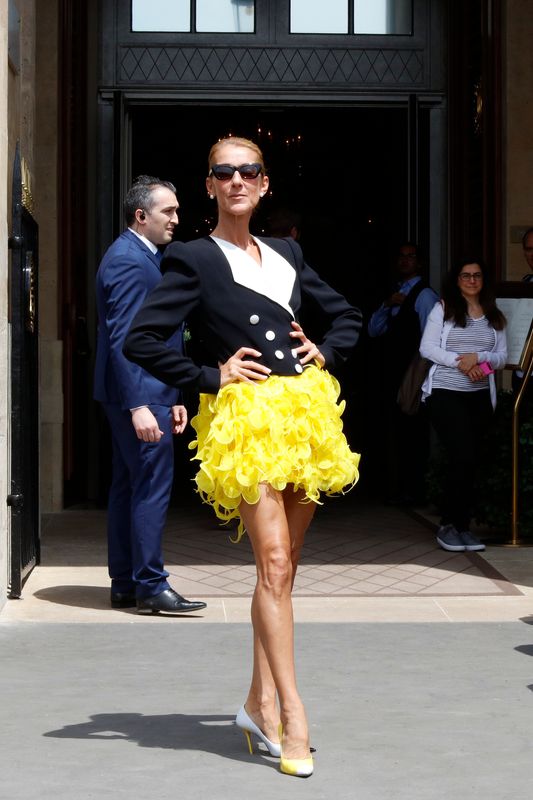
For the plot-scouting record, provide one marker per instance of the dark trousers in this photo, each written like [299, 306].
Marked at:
[460, 420]
[138, 503]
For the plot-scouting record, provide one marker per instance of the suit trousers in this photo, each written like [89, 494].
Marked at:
[138, 502]
[460, 420]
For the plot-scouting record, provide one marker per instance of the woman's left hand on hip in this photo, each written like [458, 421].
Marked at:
[307, 351]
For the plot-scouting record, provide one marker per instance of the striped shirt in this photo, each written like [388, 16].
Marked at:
[477, 336]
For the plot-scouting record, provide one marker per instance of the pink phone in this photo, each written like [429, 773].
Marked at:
[486, 368]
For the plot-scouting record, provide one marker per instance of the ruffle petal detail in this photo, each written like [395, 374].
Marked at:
[285, 430]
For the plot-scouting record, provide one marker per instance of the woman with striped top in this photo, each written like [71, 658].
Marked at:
[465, 339]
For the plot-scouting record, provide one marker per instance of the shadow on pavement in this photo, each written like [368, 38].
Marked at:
[201, 732]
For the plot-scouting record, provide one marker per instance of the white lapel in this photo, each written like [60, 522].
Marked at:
[274, 278]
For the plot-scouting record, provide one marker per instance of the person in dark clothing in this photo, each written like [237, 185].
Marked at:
[465, 339]
[400, 322]
[283, 222]
[143, 413]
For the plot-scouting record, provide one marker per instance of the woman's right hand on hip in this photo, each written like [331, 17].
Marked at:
[238, 368]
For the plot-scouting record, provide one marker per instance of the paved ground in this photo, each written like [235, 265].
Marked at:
[413, 664]
[399, 712]
[361, 562]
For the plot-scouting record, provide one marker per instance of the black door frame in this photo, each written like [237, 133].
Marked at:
[23, 499]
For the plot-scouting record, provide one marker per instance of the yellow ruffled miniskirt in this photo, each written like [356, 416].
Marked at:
[285, 430]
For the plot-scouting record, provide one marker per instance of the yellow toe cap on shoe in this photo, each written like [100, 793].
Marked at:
[299, 767]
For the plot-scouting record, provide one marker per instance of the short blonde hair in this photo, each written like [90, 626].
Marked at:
[236, 141]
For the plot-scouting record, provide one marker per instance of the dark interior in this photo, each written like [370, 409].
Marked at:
[345, 170]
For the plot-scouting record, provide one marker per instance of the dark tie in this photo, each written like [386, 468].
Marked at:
[158, 256]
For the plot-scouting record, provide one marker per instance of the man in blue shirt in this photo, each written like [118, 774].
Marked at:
[408, 272]
[400, 322]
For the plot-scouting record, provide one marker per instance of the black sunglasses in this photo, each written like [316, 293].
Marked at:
[225, 172]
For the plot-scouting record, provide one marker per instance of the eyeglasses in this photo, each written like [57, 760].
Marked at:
[470, 276]
[225, 172]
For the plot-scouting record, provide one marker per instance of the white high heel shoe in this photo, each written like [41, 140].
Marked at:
[248, 727]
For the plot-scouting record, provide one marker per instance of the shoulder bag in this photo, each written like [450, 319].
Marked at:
[410, 391]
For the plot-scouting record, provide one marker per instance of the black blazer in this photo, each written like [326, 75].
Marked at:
[198, 286]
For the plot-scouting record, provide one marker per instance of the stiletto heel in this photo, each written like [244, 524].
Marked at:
[248, 726]
[249, 740]
[299, 767]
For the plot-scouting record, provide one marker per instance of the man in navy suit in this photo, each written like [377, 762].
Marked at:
[143, 413]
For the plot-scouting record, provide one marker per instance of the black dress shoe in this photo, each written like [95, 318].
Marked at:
[123, 599]
[169, 602]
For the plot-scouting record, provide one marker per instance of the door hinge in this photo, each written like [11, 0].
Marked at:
[15, 500]
[15, 242]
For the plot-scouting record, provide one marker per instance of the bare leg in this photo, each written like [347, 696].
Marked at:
[299, 516]
[276, 527]
[261, 701]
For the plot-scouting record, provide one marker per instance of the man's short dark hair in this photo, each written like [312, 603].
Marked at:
[141, 195]
[524, 237]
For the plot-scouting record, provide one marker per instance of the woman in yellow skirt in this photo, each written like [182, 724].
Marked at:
[269, 430]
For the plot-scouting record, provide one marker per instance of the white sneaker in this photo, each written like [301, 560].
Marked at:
[470, 541]
[450, 539]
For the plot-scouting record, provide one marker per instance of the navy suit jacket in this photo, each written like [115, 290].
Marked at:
[127, 273]
[224, 314]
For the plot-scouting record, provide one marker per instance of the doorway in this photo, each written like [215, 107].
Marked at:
[358, 176]
[346, 171]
